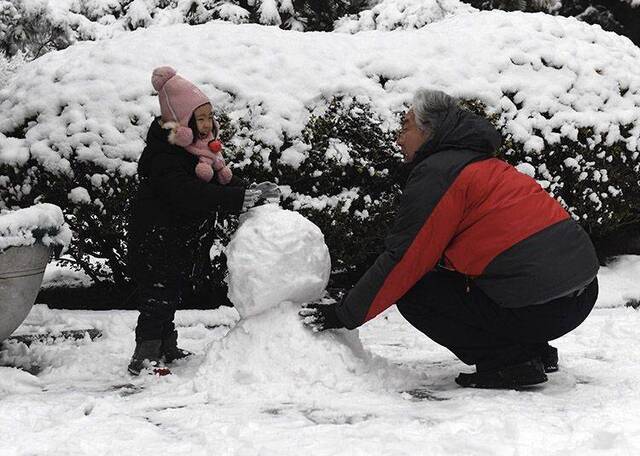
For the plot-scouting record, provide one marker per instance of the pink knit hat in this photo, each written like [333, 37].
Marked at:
[178, 97]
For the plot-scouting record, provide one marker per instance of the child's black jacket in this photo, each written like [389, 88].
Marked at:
[170, 206]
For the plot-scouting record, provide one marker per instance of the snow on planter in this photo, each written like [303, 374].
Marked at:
[278, 260]
[40, 223]
[275, 256]
[26, 239]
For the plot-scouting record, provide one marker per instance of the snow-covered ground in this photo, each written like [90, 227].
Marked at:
[321, 394]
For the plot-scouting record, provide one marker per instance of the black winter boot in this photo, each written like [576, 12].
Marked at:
[147, 355]
[170, 350]
[549, 357]
[511, 377]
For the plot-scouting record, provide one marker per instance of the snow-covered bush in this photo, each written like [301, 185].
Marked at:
[401, 14]
[317, 113]
[343, 173]
[619, 16]
[39, 26]
[98, 222]
[32, 27]
[290, 14]
[8, 67]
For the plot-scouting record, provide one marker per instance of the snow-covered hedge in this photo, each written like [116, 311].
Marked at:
[401, 14]
[318, 112]
[8, 66]
[39, 223]
[39, 26]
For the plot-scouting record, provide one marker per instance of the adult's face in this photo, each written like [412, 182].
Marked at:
[411, 137]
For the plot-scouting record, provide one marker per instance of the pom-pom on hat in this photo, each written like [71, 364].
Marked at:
[178, 97]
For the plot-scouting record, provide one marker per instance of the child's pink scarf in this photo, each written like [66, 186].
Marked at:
[209, 161]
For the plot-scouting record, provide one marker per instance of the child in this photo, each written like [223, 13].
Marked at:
[184, 182]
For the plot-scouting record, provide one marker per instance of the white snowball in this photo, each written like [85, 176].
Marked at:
[276, 255]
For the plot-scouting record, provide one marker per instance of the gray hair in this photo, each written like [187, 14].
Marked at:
[430, 108]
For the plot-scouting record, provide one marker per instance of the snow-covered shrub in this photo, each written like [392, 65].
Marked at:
[348, 183]
[39, 26]
[342, 173]
[517, 5]
[8, 67]
[30, 26]
[290, 14]
[317, 111]
[619, 16]
[95, 202]
[401, 14]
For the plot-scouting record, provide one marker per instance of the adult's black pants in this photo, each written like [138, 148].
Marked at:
[456, 314]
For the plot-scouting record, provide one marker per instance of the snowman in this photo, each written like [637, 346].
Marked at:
[276, 256]
[277, 262]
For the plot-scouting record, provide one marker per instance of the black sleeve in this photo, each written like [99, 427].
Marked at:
[237, 182]
[429, 213]
[188, 193]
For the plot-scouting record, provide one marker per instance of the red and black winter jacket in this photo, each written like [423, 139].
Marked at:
[481, 217]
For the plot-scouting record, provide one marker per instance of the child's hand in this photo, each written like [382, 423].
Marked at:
[251, 197]
[269, 191]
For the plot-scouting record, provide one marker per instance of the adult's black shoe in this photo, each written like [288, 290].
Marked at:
[549, 358]
[516, 376]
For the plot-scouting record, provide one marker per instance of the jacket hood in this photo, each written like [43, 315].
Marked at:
[157, 137]
[461, 130]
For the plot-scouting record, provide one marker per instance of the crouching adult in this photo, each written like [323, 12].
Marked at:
[480, 258]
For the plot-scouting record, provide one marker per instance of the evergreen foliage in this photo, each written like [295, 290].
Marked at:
[37, 27]
[347, 182]
[618, 16]
[31, 29]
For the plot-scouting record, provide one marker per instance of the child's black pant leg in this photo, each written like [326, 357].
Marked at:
[157, 305]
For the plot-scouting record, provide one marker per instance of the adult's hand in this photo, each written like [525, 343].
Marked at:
[320, 317]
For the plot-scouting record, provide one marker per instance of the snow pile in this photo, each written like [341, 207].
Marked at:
[543, 75]
[275, 256]
[620, 279]
[40, 223]
[14, 381]
[273, 355]
[402, 14]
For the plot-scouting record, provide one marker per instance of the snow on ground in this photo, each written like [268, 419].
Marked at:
[540, 72]
[396, 398]
[621, 280]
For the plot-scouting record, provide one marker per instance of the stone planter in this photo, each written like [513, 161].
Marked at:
[21, 272]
